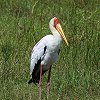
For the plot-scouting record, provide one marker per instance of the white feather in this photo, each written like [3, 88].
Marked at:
[50, 55]
[52, 43]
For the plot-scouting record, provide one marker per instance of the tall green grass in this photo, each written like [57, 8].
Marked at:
[76, 75]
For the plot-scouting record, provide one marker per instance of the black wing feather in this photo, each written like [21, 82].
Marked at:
[36, 71]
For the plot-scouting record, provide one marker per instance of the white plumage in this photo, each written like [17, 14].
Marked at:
[46, 52]
[47, 58]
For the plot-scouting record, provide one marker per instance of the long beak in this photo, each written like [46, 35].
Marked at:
[59, 29]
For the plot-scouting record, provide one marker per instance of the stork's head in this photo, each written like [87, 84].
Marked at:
[54, 25]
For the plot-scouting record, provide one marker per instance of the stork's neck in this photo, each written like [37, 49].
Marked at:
[57, 36]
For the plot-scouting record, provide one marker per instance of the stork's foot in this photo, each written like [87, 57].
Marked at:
[40, 90]
[40, 83]
[48, 90]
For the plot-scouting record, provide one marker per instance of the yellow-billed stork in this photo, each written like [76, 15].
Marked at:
[45, 53]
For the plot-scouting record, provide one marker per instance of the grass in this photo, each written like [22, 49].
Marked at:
[76, 75]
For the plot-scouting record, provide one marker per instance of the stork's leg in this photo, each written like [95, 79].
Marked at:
[48, 83]
[40, 82]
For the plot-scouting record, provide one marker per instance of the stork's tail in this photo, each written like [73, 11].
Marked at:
[33, 81]
[30, 81]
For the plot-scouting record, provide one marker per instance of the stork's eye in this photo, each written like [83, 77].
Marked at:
[56, 21]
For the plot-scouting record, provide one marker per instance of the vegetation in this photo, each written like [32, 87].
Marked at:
[76, 75]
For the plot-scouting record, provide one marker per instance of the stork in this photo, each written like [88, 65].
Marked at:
[45, 53]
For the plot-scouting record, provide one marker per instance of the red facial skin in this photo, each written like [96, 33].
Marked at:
[56, 21]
